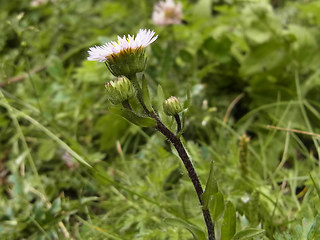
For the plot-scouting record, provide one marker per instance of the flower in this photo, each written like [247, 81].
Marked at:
[167, 12]
[126, 56]
[172, 106]
[37, 3]
[119, 90]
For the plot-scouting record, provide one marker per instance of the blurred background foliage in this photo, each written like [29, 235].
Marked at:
[248, 64]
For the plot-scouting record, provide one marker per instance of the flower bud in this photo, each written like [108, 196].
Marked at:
[119, 90]
[172, 106]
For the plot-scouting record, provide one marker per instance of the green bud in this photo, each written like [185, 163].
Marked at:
[172, 106]
[127, 63]
[119, 90]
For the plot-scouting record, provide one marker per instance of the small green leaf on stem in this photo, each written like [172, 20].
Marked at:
[146, 94]
[187, 102]
[228, 228]
[134, 118]
[197, 233]
[211, 188]
[248, 233]
[217, 206]
[160, 98]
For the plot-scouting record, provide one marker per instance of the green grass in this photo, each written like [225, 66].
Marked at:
[69, 168]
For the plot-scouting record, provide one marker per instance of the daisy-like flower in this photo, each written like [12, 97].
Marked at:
[167, 12]
[37, 3]
[126, 56]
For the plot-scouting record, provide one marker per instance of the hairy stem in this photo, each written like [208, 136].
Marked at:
[182, 153]
[191, 171]
[177, 118]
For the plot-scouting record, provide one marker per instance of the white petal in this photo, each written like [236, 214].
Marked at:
[100, 53]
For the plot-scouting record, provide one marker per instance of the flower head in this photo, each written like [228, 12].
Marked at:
[119, 90]
[172, 106]
[127, 55]
[167, 12]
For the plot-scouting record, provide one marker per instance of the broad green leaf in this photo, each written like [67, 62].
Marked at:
[134, 118]
[197, 233]
[228, 228]
[217, 206]
[211, 188]
[264, 57]
[145, 94]
[248, 233]
[46, 150]
[116, 125]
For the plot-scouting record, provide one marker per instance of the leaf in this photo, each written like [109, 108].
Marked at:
[166, 120]
[47, 150]
[314, 232]
[228, 228]
[145, 94]
[264, 57]
[56, 206]
[217, 206]
[111, 128]
[211, 188]
[160, 97]
[134, 118]
[315, 185]
[55, 68]
[187, 102]
[202, 9]
[197, 233]
[248, 233]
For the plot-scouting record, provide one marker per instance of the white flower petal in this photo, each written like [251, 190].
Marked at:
[143, 39]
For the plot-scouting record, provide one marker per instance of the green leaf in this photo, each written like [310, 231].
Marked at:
[228, 228]
[56, 206]
[160, 97]
[117, 127]
[217, 206]
[55, 67]
[134, 118]
[145, 94]
[197, 233]
[248, 233]
[211, 188]
[187, 102]
[315, 185]
[264, 57]
[202, 9]
[46, 150]
[314, 232]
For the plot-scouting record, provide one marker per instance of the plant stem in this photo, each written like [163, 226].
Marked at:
[191, 171]
[177, 118]
[182, 153]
